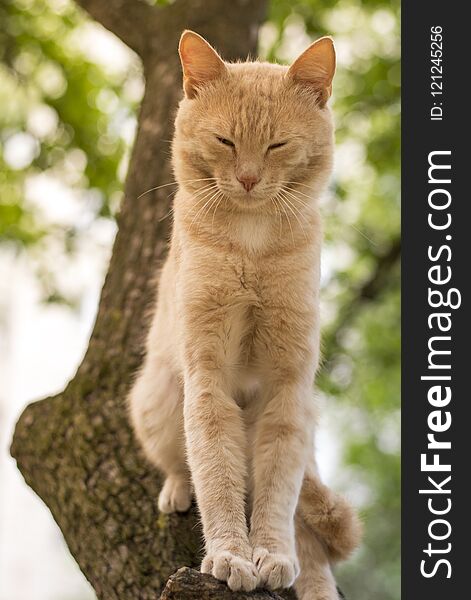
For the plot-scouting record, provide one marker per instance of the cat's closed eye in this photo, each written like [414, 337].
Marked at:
[225, 141]
[277, 145]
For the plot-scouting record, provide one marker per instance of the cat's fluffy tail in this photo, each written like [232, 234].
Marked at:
[327, 530]
[330, 517]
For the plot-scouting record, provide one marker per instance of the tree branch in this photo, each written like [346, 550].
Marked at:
[188, 584]
[373, 286]
[130, 20]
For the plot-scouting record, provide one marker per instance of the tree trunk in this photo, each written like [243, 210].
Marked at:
[76, 450]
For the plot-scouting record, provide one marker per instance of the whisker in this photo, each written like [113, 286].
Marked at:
[169, 212]
[157, 188]
[277, 212]
[197, 214]
[171, 209]
[214, 213]
[299, 212]
[206, 188]
[363, 234]
[283, 204]
[280, 217]
[298, 183]
[214, 199]
[292, 209]
[202, 195]
[175, 183]
[294, 197]
[203, 198]
[297, 192]
[203, 207]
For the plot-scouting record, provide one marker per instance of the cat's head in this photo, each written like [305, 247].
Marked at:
[252, 130]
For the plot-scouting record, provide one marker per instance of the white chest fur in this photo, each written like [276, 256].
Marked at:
[253, 232]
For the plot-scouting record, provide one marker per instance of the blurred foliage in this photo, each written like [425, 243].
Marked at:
[68, 116]
[66, 123]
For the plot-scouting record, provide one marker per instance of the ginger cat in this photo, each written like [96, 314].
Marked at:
[224, 401]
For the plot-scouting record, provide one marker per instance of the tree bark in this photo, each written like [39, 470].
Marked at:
[76, 450]
[188, 584]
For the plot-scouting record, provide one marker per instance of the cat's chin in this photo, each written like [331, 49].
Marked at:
[249, 203]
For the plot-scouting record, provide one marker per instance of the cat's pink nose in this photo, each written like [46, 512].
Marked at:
[248, 182]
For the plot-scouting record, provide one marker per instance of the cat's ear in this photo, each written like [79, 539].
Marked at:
[200, 62]
[315, 67]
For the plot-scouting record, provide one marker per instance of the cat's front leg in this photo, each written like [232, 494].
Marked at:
[216, 454]
[282, 441]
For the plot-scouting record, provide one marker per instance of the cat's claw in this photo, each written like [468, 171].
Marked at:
[275, 570]
[239, 573]
[175, 495]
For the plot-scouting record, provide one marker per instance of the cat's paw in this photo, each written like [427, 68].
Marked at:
[275, 570]
[175, 495]
[239, 573]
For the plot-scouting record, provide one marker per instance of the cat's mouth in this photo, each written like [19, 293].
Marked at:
[247, 200]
